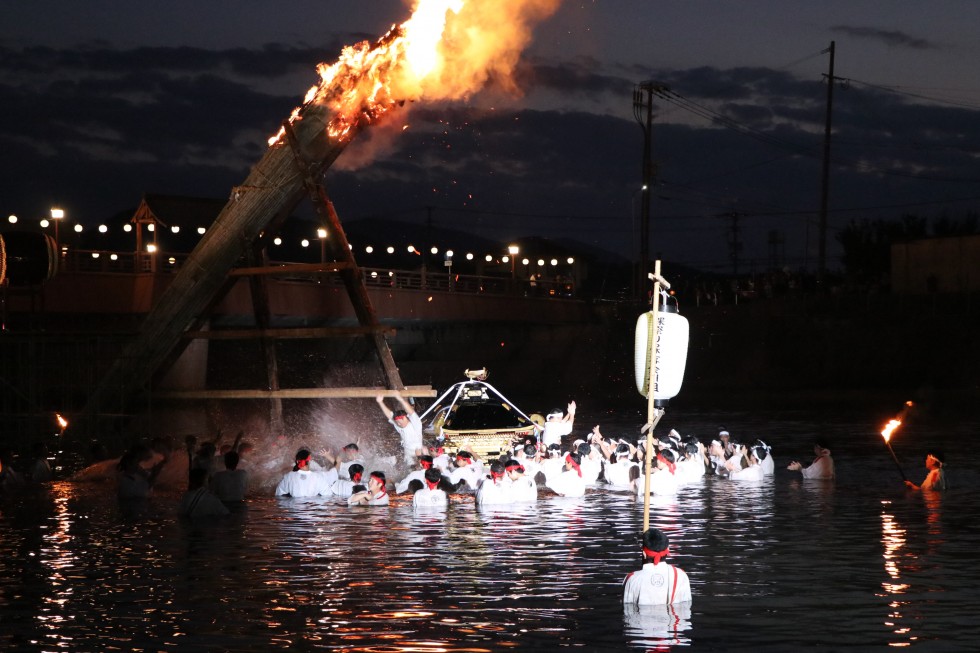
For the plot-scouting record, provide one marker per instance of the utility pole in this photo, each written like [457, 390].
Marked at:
[825, 178]
[643, 112]
[734, 241]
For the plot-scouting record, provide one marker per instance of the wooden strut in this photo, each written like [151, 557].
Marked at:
[300, 393]
[350, 273]
[259, 290]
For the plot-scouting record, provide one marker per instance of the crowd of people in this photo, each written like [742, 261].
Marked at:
[553, 462]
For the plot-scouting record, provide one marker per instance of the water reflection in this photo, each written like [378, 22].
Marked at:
[657, 626]
[892, 539]
[766, 562]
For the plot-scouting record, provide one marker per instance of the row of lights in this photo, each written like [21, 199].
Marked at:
[58, 214]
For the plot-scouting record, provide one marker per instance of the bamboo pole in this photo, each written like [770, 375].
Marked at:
[653, 413]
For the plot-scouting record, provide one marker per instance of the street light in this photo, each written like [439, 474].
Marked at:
[513, 250]
[57, 215]
[321, 233]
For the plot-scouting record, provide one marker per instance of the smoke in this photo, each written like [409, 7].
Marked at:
[481, 43]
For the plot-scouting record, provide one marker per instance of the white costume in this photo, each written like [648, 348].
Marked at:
[493, 492]
[379, 499]
[442, 462]
[342, 487]
[554, 431]
[768, 465]
[656, 584]
[531, 467]
[523, 490]
[471, 473]
[344, 470]
[303, 484]
[402, 485]
[750, 473]
[411, 435]
[662, 483]
[426, 498]
[618, 473]
[690, 470]
[552, 468]
[568, 484]
[718, 463]
[821, 467]
[591, 467]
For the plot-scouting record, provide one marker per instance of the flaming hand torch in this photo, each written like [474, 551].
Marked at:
[886, 433]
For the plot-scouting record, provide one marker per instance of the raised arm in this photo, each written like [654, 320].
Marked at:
[384, 409]
[409, 408]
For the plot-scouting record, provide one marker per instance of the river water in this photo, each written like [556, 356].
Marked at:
[859, 563]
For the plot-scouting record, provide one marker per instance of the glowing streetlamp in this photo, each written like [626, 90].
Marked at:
[57, 215]
[321, 233]
[513, 250]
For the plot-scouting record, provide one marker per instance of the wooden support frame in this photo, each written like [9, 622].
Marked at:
[350, 273]
[300, 393]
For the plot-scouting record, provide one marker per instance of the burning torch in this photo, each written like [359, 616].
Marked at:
[890, 427]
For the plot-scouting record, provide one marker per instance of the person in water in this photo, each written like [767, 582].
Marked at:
[821, 467]
[522, 488]
[430, 496]
[406, 421]
[936, 478]
[135, 480]
[301, 482]
[657, 583]
[557, 425]
[425, 462]
[493, 491]
[375, 495]
[231, 483]
[199, 501]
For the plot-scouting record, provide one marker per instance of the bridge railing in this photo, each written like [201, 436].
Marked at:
[419, 279]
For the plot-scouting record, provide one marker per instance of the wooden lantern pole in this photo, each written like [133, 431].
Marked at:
[653, 413]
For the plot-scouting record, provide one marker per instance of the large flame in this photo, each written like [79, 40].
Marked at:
[447, 50]
[895, 423]
[890, 428]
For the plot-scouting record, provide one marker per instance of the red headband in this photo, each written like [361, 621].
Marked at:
[356, 477]
[670, 466]
[425, 464]
[384, 490]
[575, 465]
[432, 484]
[656, 555]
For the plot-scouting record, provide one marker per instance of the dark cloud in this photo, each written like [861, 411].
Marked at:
[94, 128]
[583, 77]
[888, 37]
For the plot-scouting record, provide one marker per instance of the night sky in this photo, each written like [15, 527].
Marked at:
[105, 100]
